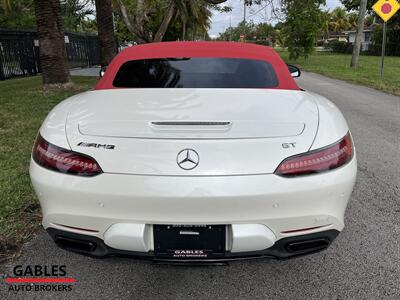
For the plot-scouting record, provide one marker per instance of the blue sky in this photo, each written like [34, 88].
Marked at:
[220, 21]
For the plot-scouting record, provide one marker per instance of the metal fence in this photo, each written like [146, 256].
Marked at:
[19, 52]
[82, 50]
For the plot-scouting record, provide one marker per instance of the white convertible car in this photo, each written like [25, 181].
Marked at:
[194, 151]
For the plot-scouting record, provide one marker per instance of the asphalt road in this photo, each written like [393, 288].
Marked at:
[363, 262]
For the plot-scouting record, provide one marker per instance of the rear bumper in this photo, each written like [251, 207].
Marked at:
[288, 247]
[285, 207]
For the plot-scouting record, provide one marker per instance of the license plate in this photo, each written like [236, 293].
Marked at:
[189, 241]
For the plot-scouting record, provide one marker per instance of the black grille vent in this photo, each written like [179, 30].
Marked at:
[190, 123]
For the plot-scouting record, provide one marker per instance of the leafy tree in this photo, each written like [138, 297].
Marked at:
[369, 20]
[20, 14]
[75, 14]
[339, 20]
[17, 14]
[279, 36]
[265, 32]
[352, 18]
[243, 28]
[262, 33]
[122, 33]
[149, 20]
[354, 5]
[303, 23]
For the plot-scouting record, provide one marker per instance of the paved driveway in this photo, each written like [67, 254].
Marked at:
[93, 71]
[363, 262]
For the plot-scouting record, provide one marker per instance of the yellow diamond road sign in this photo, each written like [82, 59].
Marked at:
[386, 8]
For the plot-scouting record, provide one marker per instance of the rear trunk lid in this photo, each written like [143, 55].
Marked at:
[234, 131]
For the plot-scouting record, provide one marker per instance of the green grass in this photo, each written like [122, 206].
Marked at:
[23, 106]
[338, 66]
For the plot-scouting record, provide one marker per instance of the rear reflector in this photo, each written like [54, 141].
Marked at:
[317, 161]
[76, 228]
[303, 229]
[62, 160]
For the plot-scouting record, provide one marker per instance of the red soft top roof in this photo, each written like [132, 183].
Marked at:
[199, 49]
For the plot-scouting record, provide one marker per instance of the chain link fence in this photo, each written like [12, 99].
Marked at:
[19, 52]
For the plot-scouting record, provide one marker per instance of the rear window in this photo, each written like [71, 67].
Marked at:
[196, 72]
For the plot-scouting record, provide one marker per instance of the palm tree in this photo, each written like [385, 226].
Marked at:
[105, 28]
[136, 21]
[339, 20]
[194, 15]
[202, 20]
[51, 42]
[352, 17]
[75, 13]
[197, 12]
[184, 12]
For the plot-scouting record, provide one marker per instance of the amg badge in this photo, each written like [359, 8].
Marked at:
[99, 146]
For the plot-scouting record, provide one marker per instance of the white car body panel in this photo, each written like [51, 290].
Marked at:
[130, 237]
[54, 126]
[233, 184]
[332, 126]
[258, 128]
[250, 237]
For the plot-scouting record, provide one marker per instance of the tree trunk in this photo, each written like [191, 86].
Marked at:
[360, 28]
[105, 28]
[51, 42]
[183, 30]
[165, 23]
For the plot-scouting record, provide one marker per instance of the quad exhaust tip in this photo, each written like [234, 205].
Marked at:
[75, 244]
[308, 245]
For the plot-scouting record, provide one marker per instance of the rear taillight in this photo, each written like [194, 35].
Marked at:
[320, 160]
[62, 160]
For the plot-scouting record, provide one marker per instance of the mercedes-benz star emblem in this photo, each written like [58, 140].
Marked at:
[187, 159]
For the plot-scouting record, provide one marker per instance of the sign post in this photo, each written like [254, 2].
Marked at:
[385, 9]
[383, 47]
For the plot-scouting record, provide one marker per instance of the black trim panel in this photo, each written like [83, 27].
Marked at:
[284, 248]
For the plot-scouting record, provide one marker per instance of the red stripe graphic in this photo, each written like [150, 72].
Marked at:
[40, 280]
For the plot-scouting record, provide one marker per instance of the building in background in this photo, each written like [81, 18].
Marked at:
[366, 37]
